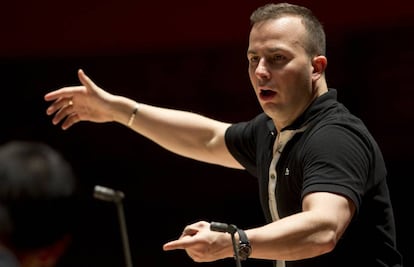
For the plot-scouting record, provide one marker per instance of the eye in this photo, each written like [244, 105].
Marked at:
[277, 58]
[254, 59]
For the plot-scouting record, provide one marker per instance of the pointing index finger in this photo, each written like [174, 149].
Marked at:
[182, 243]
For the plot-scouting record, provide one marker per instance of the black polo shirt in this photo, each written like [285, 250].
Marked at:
[337, 154]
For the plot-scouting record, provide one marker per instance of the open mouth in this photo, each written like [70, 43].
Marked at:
[267, 93]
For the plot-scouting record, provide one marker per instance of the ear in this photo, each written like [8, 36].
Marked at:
[319, 64]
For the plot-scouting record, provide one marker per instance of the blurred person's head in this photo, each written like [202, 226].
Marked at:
[37, 203]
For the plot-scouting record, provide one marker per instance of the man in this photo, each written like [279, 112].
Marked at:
[321, 175]
[37, 197]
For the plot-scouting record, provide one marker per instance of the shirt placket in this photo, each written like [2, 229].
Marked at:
[281, 140]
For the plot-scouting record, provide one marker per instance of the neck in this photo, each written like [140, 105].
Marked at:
[284, 119]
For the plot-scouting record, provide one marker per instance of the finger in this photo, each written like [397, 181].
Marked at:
[70, 120]
[189, 231]
[183, 243]
[84, 79]
[59, 104]
[65, 92]
[63, 110]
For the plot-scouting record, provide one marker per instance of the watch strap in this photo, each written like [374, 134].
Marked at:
[244, 248]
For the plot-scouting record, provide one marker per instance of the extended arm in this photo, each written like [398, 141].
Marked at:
[185, 133]
[310, 233]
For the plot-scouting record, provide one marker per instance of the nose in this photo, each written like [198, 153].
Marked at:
[261, 70]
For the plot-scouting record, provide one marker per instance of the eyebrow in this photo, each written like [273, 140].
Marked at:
[268, 50]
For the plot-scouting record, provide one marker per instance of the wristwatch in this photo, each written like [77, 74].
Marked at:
[244, 249]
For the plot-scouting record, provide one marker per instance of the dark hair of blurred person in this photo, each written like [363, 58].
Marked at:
[37, 204]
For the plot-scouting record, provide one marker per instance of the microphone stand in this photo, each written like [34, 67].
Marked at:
[231, 229]
[107, 194]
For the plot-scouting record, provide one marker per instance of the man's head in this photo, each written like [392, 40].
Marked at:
[37, 202]
[286, 60]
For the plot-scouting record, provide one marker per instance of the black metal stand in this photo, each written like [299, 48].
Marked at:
[107, 194]
[231, 229]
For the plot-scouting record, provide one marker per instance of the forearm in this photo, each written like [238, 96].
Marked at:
[299, 236]
[185, 133]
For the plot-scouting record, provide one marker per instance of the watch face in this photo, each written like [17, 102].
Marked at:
[244, 251]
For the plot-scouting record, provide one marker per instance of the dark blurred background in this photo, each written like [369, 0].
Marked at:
[188, 55]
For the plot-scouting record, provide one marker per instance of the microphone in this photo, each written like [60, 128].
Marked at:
[231, 229]
[111, 195]
[107, 194]
[223, 227]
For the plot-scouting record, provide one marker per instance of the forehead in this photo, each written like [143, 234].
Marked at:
[285, 31]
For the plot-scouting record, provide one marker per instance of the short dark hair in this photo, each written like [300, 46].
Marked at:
[316, 41]
[37, 195]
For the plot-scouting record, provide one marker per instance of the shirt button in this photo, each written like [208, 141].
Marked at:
[272, 176]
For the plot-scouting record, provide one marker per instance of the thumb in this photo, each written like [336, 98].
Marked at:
[84, 79]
